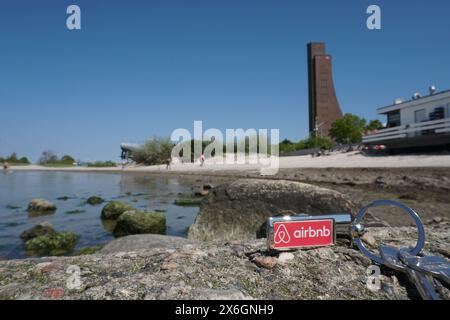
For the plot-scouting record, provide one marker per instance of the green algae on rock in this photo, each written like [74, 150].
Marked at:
[94, 200]
[42, 229]
[114, 209]
[55, 244]
[135, 222]
[188, 202]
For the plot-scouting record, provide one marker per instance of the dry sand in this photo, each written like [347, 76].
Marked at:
[340, 160]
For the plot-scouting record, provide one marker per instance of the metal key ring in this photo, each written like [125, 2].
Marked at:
[420, 229]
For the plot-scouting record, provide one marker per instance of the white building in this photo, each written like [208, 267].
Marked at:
[421, 121]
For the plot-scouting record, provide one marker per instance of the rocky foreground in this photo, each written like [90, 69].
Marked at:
[161, 267]
[233, 263]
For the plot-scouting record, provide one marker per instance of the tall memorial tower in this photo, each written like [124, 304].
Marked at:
[323, 104]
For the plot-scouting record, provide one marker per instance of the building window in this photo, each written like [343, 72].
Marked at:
[393, 119]
[438, 113]
[420, 116]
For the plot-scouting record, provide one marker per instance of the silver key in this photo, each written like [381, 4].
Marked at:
[423, 282]
[434, 266]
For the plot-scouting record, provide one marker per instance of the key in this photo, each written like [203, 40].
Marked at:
[423, 282]
[434, 266]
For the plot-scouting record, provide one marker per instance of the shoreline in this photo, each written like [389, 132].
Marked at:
[351, 160]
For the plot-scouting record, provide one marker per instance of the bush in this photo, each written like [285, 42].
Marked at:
[100, 164]
[286, 146]
[154, 151]
[308, 143]
[314, 142]
[205, 144]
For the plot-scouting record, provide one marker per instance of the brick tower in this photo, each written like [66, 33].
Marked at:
[323, 104]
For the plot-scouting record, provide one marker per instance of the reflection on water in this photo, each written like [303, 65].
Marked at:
[69, 191]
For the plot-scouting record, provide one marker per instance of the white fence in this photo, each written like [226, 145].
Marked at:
[410, 131]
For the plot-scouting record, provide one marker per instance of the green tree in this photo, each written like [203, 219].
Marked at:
[48, 156]
[66, 159]
[13, 158]
[24, 160]
[348, 129]
[374, 125]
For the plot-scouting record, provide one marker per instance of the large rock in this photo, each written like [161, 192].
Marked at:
[136, 222]
[239, 209]
[40, 206]
[41, 229]
[114, 209]
[54, 244]
[217, 270]
[144, 242]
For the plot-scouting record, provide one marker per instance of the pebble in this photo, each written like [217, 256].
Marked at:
[285, 257]
[438, 219]
[265, 262]
[168, 266]
[369, 239]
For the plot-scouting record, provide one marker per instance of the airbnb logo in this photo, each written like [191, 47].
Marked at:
[303, 233]
[281, 235]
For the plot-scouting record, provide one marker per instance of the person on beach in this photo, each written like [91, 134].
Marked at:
[168, 162]
[5, 167]
[202, 160]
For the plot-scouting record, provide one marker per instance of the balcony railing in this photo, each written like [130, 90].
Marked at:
[409, 131]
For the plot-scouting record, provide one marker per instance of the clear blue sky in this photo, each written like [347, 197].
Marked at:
[143, 68]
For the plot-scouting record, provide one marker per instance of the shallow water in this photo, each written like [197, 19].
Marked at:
[144, 192]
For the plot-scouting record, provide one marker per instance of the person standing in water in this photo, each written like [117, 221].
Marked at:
[202, 160]
[5, 167]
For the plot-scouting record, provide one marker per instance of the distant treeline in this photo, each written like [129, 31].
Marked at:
[49, 157]
[14, 159]
[347, 130]
[101, 164]
[158, 150]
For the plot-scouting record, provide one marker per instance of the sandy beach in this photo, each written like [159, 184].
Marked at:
[340, 160]
[421, 181]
